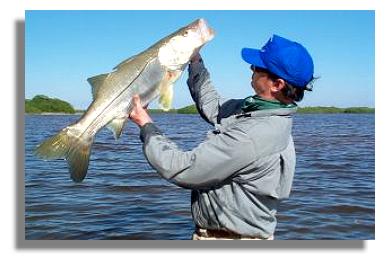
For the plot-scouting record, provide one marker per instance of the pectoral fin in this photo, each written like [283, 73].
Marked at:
[166, 91]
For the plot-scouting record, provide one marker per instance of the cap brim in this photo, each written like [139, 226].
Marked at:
[253, 56]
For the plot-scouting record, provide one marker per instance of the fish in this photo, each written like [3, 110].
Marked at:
[149, 74]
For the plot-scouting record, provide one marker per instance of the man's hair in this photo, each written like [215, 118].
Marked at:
[292, 92]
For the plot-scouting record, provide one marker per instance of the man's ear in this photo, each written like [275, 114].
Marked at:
[278, 85]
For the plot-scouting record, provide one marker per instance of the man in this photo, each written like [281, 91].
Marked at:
[246, 165]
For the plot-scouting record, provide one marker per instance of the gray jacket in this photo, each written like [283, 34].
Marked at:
[240, 172]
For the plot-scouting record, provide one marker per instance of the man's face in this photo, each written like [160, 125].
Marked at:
[261, 82]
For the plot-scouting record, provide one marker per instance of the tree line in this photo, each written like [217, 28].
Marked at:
[41, 104]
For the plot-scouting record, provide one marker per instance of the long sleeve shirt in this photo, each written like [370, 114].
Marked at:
[240, 172]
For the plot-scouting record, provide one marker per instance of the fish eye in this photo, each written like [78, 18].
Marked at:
[185, 33]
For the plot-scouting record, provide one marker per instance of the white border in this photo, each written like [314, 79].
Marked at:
[14, 10]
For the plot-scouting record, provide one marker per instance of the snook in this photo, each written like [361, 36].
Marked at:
[150, 74]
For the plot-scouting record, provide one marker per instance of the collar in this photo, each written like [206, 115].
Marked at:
[253, 103]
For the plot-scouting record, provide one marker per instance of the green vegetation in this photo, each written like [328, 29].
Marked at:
[185, 110]
[152, 111]
[335, 110]
[188, 110]
[192, 110]
[359, 110]
[30, 108]
[41, 103]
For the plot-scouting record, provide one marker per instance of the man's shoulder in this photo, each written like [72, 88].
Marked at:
[268, 134]
[229, 107]
[260, 126]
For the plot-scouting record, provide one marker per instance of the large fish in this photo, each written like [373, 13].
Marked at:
[150, 74]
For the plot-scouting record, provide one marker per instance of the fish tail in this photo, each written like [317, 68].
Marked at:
[67, 145]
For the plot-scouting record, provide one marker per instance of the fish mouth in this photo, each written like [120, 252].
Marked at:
[204, 30]
[207, 33]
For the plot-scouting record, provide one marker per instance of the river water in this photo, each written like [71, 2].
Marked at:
[122, 197]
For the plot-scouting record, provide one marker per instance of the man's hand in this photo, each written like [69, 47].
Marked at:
[195, 58]
[139, 114]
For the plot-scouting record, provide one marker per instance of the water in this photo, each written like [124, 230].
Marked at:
[123, 197]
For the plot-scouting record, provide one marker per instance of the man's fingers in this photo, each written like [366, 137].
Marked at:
[136, 100]
[138, 115]
[137, 103]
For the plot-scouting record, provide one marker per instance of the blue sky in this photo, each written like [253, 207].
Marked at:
[64, 48]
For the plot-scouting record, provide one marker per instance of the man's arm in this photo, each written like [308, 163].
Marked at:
[206, 166]
[206, 98]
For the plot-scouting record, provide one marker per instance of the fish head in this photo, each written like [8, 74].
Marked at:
[177, 50]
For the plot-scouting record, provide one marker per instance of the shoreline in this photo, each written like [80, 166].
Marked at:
[192, 110]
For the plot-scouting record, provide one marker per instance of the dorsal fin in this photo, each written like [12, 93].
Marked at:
[96, 82]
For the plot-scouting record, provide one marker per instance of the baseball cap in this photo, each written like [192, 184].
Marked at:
[285, 58]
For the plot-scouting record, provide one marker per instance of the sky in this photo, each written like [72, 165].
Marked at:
[64, 48]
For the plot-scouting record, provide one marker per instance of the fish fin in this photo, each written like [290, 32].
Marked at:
[96, 83]
[116, 126]
[78, 159]
[55, 147]
[67, 145]
[166, 91]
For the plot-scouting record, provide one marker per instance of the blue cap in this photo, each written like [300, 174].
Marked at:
[285, 58]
